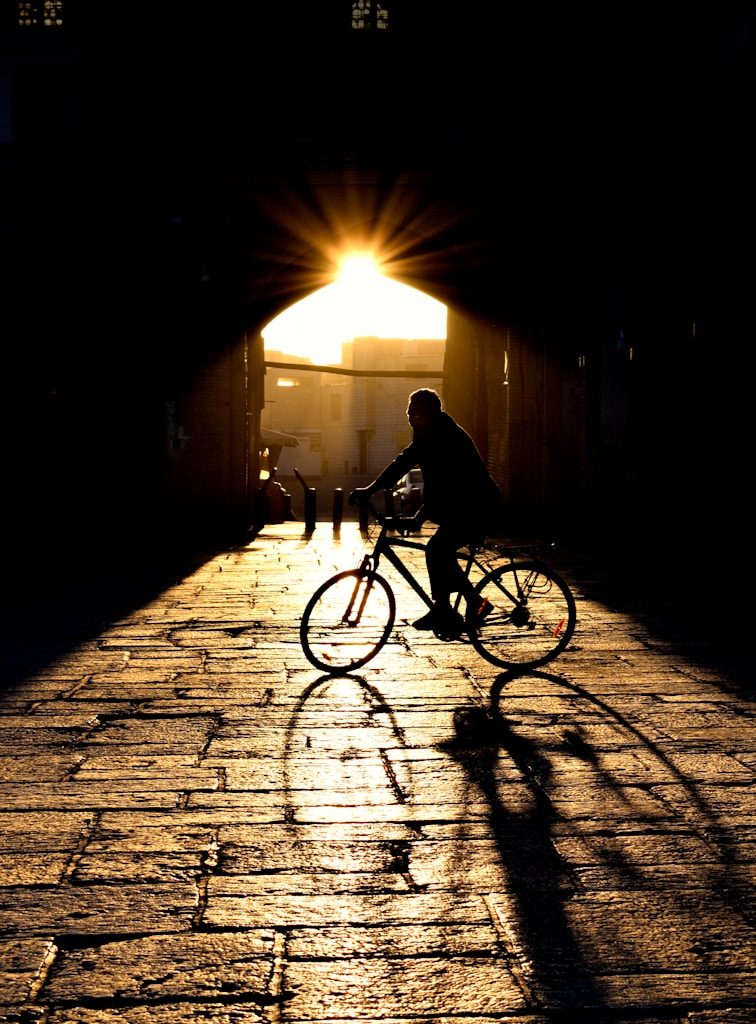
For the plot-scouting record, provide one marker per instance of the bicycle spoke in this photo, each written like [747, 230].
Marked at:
[533, 617]
[347, 621]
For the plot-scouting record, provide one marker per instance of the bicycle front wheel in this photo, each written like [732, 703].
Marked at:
[347, 621]
[532, 619]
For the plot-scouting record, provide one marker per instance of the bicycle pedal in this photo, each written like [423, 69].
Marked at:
[483, 611]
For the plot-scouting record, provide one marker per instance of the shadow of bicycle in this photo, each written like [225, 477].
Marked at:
[596, 866]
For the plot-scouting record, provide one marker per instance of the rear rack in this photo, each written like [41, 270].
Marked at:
[519, 549]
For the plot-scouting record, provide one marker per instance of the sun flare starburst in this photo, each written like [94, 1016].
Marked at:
[361, 301]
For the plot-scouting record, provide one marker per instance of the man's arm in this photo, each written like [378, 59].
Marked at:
[404, 461]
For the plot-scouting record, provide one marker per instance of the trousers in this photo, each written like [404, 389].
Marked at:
[444, 571]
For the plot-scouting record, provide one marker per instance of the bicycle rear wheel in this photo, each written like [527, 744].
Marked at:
[533, 616]
[347, 621]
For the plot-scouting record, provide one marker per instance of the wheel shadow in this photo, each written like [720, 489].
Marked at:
[297, 742]
[703, 816]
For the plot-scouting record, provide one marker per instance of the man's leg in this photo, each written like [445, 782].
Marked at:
[445, 576]
[444, 571]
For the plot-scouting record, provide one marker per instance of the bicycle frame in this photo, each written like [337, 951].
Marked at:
[384, 548]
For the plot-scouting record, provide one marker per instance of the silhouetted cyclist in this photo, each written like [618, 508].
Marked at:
[459, 495]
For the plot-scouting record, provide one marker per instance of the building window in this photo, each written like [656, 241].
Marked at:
[369, 14]
[39, 13]
[335, 403]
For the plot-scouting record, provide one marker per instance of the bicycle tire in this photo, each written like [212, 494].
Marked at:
[533, 616]
[343, 626]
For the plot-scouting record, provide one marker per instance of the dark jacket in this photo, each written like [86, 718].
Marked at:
[458, 490]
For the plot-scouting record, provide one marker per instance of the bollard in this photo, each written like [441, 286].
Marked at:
[311, 509]
[311, 502]
[363, 517]
[338, 507]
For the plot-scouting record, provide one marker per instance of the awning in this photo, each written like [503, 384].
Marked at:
[275, 439]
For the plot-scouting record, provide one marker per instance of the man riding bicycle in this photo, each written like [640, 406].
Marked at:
[443, 449]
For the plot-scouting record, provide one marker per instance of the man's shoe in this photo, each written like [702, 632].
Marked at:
[427, 621]
[442, 618]
[449, 624]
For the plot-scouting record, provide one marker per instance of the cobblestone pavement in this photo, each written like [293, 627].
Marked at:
[197, 825]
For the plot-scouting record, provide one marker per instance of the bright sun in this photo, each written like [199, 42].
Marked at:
[360, 302]
[358, 268]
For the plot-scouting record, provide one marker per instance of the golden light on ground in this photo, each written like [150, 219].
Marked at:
[362, 301]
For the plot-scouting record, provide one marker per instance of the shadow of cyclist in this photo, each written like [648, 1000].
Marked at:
[532, 912]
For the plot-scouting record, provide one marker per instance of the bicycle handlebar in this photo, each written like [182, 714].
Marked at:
[388, 522]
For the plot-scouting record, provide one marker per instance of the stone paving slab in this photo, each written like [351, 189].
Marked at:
[196, 825]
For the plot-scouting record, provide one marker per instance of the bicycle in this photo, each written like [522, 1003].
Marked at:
[350, 616]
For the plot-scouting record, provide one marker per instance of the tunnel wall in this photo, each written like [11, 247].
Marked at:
[598, 257]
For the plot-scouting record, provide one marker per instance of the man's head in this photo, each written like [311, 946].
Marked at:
[423, 409]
